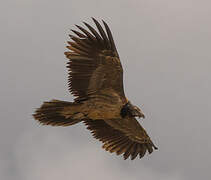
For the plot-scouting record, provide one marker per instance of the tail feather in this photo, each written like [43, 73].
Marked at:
[58, 113]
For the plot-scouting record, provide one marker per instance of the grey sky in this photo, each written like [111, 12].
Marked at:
[165, 51]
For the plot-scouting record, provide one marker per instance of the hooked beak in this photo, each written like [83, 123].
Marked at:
[141, 115]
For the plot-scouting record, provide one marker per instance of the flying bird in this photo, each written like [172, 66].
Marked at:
[96, 81]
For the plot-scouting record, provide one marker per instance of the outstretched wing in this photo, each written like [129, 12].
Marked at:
[94, 63]
[123, 136]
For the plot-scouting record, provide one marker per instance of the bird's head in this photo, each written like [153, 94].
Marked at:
[131, 110]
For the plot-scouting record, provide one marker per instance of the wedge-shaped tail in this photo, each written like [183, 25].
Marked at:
[58, 113]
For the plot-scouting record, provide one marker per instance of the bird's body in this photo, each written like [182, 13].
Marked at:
[96, 80]
[93, 108]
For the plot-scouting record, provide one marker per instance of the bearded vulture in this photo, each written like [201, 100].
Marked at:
[96, 81]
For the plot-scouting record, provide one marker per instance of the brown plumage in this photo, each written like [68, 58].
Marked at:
[96, 81]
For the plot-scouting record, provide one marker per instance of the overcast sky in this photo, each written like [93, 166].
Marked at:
[165, 51]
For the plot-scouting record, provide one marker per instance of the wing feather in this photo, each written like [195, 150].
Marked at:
[102, 33]
[78, 33]
[135, 151]
[94, 63]
[129, 150]
[117, 138]
[113, 47]
[88, 35]
[95, 33]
